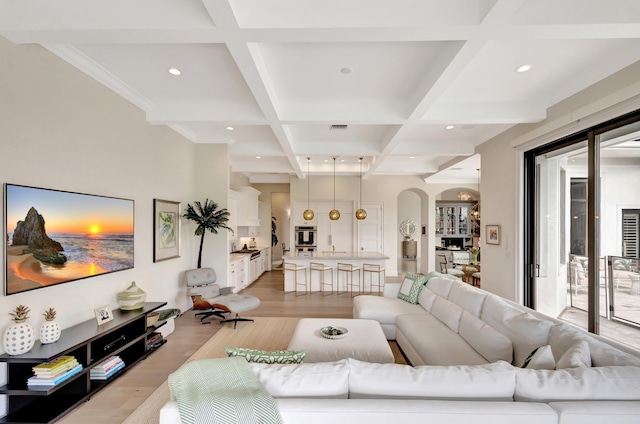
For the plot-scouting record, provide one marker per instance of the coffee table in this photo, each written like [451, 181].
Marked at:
[365, 340]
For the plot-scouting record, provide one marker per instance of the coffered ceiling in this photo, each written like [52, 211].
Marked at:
[379, 79]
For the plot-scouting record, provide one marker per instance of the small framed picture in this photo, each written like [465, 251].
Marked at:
[103, 314]
[493, 234]
[166, 230]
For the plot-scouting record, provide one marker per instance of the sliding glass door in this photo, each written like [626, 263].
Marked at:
[582, 228]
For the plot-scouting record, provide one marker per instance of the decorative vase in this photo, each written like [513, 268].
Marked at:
[19, 337]
[131, 298]
[50, 329]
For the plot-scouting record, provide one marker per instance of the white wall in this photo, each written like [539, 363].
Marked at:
[61, 129]
[409, 207]
[502, 169]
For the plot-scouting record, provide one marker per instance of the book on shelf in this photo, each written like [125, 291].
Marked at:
[53, 372]
[37, 381]
[106, 368]
[57, 364]
[105, 375]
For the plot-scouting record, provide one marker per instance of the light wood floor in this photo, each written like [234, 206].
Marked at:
[120, 398]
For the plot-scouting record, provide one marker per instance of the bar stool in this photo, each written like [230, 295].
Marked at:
[295, 268]
[348, 269]
[475, 279]
[371, 269]
[322, 269]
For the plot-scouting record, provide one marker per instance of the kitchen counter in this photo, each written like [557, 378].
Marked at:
[335, 255]
[331, 259]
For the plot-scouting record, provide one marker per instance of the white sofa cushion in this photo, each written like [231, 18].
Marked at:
[541, 358]
[447, 312]
[488, 342]
[426, 299]
[383, 309]
[427, 341]
[578, 355]
[525, 331]
[472, 382]
[467, 297]
[440, 286]
[598, 383]
[318, 380]
[562, 336]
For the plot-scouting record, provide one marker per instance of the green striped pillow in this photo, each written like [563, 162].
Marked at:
[268, 357]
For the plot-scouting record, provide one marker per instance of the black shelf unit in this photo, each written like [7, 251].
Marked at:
[125, 335]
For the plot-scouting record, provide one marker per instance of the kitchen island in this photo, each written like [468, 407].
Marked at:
[331, 259]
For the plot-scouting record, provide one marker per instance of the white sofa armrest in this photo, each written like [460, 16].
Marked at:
[169, 413]
[391, 289]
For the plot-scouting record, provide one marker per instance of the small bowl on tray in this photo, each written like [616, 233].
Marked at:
[333, 333]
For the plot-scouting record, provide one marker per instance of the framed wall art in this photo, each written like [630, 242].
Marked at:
[493, 234]
[166, 230]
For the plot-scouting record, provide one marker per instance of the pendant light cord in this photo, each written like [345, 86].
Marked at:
[308, 181]
[334, 183]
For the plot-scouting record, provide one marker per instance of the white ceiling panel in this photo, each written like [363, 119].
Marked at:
[395, 72]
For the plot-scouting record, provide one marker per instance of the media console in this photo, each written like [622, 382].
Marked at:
[125, 336]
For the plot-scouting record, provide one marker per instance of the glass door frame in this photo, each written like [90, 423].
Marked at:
[530, 210]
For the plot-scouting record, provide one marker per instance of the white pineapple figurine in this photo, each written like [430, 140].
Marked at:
[50, 329]
[19, 337]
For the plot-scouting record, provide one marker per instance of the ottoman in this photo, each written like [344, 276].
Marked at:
[365, 341]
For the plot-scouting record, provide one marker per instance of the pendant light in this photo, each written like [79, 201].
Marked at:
[361, 213]
[334, 214]
[308, 214]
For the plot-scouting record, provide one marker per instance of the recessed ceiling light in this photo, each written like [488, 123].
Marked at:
[174, 71]
[449, 127]
[229, 128]
[524, 68]
[258, 157]
[346, 70]
[412, 157]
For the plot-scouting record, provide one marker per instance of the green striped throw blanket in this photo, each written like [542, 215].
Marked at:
[221, 391]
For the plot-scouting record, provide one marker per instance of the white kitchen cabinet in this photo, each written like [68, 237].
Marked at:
[242, 273]
[249, 231]
[233, 274]
[248, 210]
[338, 233]
[233, 212]
[238, 274]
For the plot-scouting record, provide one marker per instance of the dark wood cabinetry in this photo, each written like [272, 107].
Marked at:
[125, 336]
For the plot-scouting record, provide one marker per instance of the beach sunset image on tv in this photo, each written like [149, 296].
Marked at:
[56, 236]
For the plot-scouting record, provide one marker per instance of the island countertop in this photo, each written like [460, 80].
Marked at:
[337, 255]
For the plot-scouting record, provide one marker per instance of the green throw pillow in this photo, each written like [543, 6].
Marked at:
[416, 282]
[268, 357]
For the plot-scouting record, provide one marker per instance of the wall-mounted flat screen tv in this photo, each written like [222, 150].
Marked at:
[55, 236]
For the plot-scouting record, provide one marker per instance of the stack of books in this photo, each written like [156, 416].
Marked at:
[107, 368]
[154, 340]
[49, 374]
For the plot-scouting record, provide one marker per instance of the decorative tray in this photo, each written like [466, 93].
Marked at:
[334, 333]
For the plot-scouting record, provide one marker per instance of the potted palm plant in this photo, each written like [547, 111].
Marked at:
[209, 218]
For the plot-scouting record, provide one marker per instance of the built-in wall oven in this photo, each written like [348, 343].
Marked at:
[305, 239]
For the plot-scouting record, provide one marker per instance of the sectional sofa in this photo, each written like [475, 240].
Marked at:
[467, 348]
